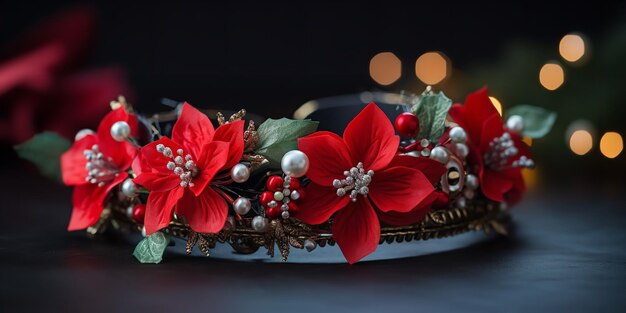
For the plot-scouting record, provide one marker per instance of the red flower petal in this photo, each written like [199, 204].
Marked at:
[416, 215]
[491, 129]
[215, 155]
[192, 130]
[159, 209]
[319, 204]
[515, 194]
[232, 133]
[122, 153]
[73, 161]
[154, 160]
[88, 203]
[494, 185]
[399, 189]
[205, 213]
[328, 157]
[432, 169]
[477, 109]
[371, 139]
[159, 182]
[356, 230]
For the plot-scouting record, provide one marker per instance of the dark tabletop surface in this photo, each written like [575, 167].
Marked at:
[567, 255]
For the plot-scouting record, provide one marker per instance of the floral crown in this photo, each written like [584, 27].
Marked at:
[456, 169]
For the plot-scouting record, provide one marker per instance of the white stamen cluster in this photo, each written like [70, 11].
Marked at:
[185, 168]
[100, 170]
[356, 182]
[501, 150]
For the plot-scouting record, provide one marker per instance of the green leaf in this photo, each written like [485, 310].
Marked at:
[45, 150]
[431, 110]
[537, 121]
[276, 137]
[151, 248]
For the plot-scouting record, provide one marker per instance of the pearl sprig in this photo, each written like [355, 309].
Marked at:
[356, 182]
[99, 170]
[501, 150]
[185, 167]
[285, 196]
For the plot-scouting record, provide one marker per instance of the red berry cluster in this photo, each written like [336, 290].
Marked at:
[281, 196]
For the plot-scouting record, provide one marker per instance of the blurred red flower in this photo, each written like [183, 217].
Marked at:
[42, 86]
[499, 181]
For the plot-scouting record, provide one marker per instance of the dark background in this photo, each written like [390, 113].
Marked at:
[568, 252]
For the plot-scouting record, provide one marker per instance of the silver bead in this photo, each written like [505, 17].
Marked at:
[295, 163]
[129, 211]
[285, 214]
[120, 131]
[341, 192]
[310, 245]
[242, 206]
[286, 192]
[515, 123]
[414, 154]
[336, 183]
[240, 173]
[468, 193]
[295, 195]
[284, 207]
[461, 202]
[128, 188]
[272, 204]
[259, 223]
[471, 181]
[82, 133]
[143, 231]
[458, 135]
[462, 150]
[440, 154]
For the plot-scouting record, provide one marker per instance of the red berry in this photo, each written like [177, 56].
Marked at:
[266, 197]
[293, 208]
[294, 184]
[274, 183]
[139, 211]
[407, 124]
[273, 212]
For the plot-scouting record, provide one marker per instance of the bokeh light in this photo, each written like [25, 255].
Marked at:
[496, 103]
[611, 144]
[572, 47]
[581, 142]
[304, 110]
[551, 76]
[385, 68]
[431, 67]
[527, 140]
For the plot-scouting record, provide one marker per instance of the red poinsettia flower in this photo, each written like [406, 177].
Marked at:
[94, 165]
[500, 177]
[178, 172]
[358, 177]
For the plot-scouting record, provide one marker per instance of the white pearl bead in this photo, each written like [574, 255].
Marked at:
[471, 181]
[82, 133]
[259, 223]
[240, 173]
[129, 211]
[458, 135]
[310, 245]
[285, 214]
[515, 123]
[242, 206]
[440, 154]
[120, 131]
[128, 188]
[461, 150]
[295, 195]
[295, 163]
[143, 231]
[414, 154]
